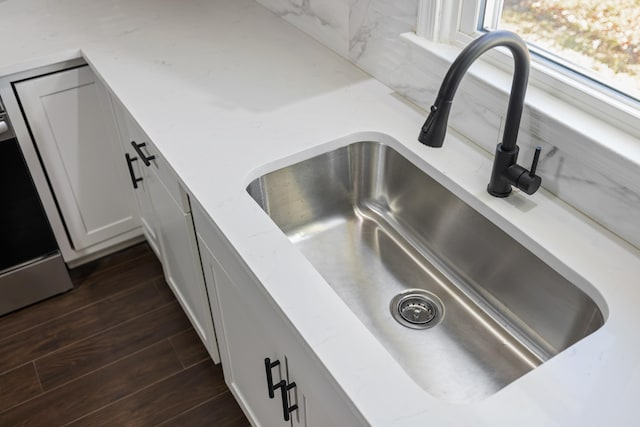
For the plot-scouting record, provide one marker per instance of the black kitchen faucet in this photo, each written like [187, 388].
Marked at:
[506, 172]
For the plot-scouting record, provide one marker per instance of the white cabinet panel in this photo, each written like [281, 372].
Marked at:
[130, 132]
[249, 329]
[167, 224]
[181, 263]
[74, 131]
[246, 345]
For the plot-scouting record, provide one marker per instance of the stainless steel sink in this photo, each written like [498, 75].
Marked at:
[485, 311]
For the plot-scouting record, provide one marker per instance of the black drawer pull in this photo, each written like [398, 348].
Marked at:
[138, 147]
[130, 161]
[268, 366]
[286, 409]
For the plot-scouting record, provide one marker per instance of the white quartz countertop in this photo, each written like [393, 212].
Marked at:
[227, 91]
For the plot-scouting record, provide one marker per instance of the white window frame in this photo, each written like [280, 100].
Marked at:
[454, 22]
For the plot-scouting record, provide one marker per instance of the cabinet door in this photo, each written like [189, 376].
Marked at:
[250, 329]
[244, 345]
[73, 127]
[322, 403]
[130, 131]
[180, 262]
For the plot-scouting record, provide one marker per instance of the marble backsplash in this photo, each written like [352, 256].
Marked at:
[602, 185]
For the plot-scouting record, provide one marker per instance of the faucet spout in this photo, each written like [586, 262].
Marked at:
[505, 173]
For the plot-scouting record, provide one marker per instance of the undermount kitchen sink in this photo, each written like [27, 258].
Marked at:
[463, 307]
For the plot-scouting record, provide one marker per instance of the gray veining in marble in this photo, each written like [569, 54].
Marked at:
[374, 26]
[327, 20]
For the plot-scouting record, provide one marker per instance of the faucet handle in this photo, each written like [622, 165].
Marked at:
[534, 165]
[528, 182]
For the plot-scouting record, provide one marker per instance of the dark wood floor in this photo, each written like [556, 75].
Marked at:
[116, 350]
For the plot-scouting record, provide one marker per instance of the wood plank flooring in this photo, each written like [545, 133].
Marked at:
[116, 350]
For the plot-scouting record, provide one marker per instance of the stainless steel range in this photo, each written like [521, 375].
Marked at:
[31, 267]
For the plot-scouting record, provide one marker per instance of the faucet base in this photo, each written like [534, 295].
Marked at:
[497, 194]
[501, 181]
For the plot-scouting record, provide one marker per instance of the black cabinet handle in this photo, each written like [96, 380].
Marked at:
[268, 366]
[138, 147]
[130, 161]
[286, 409]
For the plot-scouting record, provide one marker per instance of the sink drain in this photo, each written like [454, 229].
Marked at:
[417, 309]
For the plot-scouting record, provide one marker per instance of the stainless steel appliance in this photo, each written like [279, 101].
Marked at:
[31, 267]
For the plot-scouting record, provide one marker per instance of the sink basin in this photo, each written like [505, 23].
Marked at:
[463, 307]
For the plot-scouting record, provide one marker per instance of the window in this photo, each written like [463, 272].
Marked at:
[586, 52]
[598, 39]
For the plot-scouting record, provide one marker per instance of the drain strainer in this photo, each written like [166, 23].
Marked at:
[417, 309]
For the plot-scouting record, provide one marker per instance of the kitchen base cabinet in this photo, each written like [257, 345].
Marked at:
[244, 344]
[181, 263]
[141, 177]
[167, 224]
[250, 330]
[73, 128]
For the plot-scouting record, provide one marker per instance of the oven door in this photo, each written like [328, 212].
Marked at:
[31, 267]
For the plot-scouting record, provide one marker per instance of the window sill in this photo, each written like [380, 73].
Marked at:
[585, 136]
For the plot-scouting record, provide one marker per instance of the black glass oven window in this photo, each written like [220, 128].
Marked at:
[24, 230]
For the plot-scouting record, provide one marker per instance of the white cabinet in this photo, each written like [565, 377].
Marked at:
[141, 177]
[73, 127]
[244, 344]
[181, 262]
[166, 218]
[250, 329]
